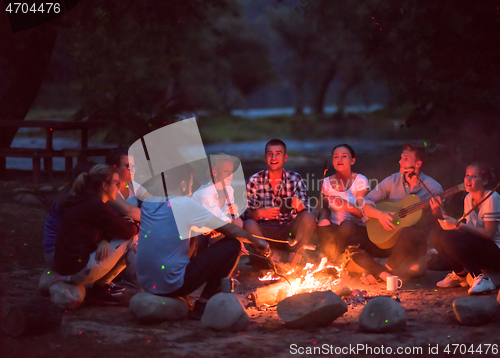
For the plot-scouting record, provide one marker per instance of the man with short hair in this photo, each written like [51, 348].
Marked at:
[278, 206]
[407, 257]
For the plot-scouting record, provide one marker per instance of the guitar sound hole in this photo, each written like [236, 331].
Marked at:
[402, 214]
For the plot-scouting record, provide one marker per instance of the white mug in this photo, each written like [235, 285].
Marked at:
[393, 283]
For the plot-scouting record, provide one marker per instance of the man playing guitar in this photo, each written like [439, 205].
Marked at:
[407, 256]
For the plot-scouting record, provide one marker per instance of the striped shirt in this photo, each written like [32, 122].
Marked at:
[260, 193]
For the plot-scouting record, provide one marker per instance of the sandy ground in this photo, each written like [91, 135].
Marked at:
[93, 331]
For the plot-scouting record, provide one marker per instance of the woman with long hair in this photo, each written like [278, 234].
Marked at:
[54, 215]
[86, 251]
[343, 194]
[474, 246]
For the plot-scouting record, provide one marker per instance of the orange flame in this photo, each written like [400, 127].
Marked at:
[304, 280]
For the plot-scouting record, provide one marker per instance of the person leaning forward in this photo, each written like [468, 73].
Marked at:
[278, 206]
[407, 257]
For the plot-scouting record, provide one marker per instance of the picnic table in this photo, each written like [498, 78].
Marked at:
[49, 152]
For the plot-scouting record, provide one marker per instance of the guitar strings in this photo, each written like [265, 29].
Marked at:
[420, 205]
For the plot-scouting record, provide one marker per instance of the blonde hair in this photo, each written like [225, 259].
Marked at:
[100, 173]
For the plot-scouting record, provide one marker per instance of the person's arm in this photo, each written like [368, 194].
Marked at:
[324, 217]
[125, 209]
[326, 213]
[379, 193]
[254, 211]
[491, 210]
[355, 209]
[300, 201]
[110, 222]
[449, 223]
[234, 231]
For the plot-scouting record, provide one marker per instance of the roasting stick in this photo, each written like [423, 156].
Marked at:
[478, 204]
[273, 266]
[291, 243]
[325, 170]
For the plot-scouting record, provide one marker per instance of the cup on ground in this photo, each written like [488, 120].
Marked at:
[394, 283]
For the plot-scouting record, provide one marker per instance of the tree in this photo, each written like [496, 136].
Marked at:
[321, 50]
[139, 63]
[440, 56]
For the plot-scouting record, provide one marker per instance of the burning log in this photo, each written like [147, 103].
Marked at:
[271, 294]
[274, 293]
[322, 277]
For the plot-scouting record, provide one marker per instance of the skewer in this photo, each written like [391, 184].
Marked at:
[325, 170]
[291, 243]
[273, 266]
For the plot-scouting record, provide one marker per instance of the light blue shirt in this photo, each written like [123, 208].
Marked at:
[162, 253]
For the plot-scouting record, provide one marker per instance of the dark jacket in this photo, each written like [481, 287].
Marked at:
[86, 220]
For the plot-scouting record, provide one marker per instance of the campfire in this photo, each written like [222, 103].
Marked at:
[321, 277]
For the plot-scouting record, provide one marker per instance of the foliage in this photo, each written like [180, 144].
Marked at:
[139, 63]
[440, 56]
[323, 47]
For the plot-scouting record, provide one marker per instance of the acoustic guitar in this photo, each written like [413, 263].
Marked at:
[407, 212]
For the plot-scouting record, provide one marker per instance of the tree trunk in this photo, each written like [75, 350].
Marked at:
[319, 99]
[299, 99]
[352, 82]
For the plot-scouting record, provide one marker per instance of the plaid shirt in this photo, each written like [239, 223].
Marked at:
[261, 195]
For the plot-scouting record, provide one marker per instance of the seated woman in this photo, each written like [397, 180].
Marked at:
[472, 247]
[54, 216]
[163, 265]
[85, 251]
[342, 192]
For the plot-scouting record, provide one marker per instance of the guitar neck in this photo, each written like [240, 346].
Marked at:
[424, 204]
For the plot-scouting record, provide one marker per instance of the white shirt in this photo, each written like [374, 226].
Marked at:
[360, 183]
[208, 196]
[488, 211]
[133, 188]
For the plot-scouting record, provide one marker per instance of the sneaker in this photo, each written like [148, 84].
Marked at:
[452, 280]
[198, 310]
[100, 295]
[115, 290]
[481, 284]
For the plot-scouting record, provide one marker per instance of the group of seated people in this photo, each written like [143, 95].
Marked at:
[97, 226]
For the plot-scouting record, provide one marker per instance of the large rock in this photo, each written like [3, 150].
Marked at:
[27, 198]
[475, 311]
[311, 309]
[48, 278]
[149, 308]
[224, 312]
[382, 314]
[66, 296]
